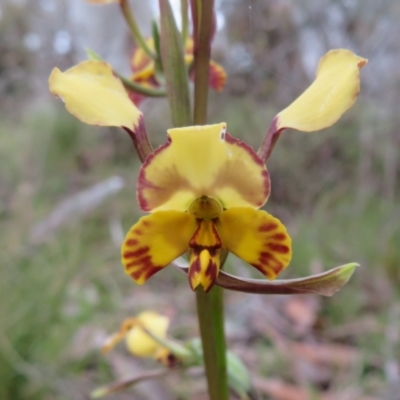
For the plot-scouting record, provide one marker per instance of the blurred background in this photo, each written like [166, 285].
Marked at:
[67, 197]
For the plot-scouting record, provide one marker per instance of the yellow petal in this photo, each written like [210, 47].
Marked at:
[115, 338]
[155, 241]
[142, 65]
[138, 342]
[333, 92]
[256, 237]
[205, 251]
[202, 161]
[94, 95]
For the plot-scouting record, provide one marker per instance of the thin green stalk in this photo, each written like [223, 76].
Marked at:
[134, 28]
[175, 71]
[138, 88]
[202, 44]
[210, 306]
[210, 310]
[184, 13]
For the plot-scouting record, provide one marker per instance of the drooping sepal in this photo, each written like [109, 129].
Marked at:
[257, 238]
[325, 284]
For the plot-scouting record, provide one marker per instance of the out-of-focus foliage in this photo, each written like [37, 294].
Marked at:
[337, 191]
[15, 60]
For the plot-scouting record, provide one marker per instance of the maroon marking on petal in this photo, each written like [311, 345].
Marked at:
[146, 271]
[195, 266]
[132, 242]
[279, 248]
[265, 257]
[193, 270]
[268, 270]
[279, 236]
[232, 140]
[136, 253]
[144, 260]
[270, 226]
[267, 181]
[197, 247]
[141, 265]
[211, 270]
[138, 231]
[142, 180]
[146, 222]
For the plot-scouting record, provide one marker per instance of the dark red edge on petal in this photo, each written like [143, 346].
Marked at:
[270, 139]
[142, 182]
[139, 137]
[265, 174]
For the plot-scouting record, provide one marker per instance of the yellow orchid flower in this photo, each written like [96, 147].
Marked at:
[138, 342]
[143, 68]
[204, 188]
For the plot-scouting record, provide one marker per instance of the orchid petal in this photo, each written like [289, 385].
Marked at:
[94, 95]
[333, 92]
[202, 161]
[155, 241]
[257, 238]
[138, 342]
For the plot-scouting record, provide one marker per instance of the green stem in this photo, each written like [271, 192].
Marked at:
[202, 53]
[138, 88]
[174, 67]
[210, 306]
[184, 13]
[134, 28]
[210, 310]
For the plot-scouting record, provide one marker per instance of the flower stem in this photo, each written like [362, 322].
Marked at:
[184, 13]
[133, 26]
[174, 66]
[202, 51]
[210, 312]
[210, 306]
